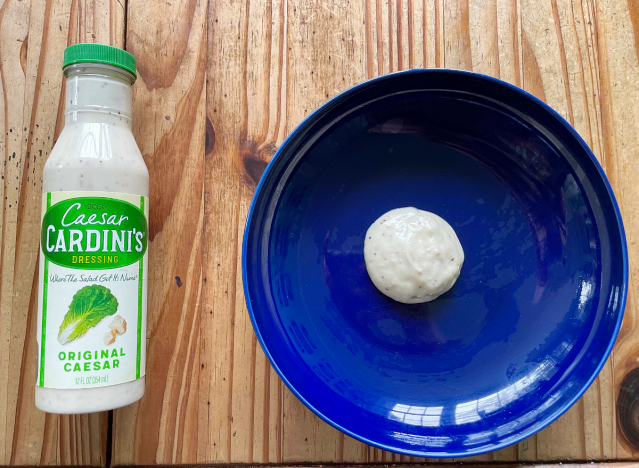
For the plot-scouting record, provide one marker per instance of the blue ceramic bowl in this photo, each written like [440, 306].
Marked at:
[541, 295]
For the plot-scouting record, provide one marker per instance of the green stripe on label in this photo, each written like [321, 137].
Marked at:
[45, 288]
[140, 293]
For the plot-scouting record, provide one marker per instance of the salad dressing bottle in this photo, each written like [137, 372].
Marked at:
[92, 294]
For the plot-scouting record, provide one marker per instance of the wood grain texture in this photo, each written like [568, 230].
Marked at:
[32, 39]
[618, 34]
[238, 384]
[561, 66]
[169, 43]
[221, 84]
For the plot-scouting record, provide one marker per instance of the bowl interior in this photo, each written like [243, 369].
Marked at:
[539, 299]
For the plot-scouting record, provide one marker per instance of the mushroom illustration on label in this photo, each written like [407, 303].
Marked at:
[117, 327]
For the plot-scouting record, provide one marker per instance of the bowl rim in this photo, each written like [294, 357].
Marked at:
[624, 247]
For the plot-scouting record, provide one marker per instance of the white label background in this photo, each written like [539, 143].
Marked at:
[60, 295]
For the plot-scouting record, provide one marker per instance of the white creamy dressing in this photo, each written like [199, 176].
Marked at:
[412, 256]
[96, 151]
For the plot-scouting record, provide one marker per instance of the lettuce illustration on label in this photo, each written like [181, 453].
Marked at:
[88, 307]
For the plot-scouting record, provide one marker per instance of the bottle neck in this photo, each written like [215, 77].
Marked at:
[97, 94]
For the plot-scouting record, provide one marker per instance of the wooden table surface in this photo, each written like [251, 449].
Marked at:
[221, 84]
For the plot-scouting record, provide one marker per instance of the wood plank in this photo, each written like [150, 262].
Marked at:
[32, 90]
[617, 26]
[560, 61]
[14, 26]
[169, 43]
[247, 58]
[336, 56]
[258, 129]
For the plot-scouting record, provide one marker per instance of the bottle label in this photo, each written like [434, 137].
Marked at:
[92, 289]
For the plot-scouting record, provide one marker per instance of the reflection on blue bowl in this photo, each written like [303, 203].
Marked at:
[541, 294]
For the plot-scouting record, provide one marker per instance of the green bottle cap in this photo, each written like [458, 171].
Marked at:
[99, 53]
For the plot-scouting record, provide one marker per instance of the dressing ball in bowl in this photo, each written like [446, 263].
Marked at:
[412, 256]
